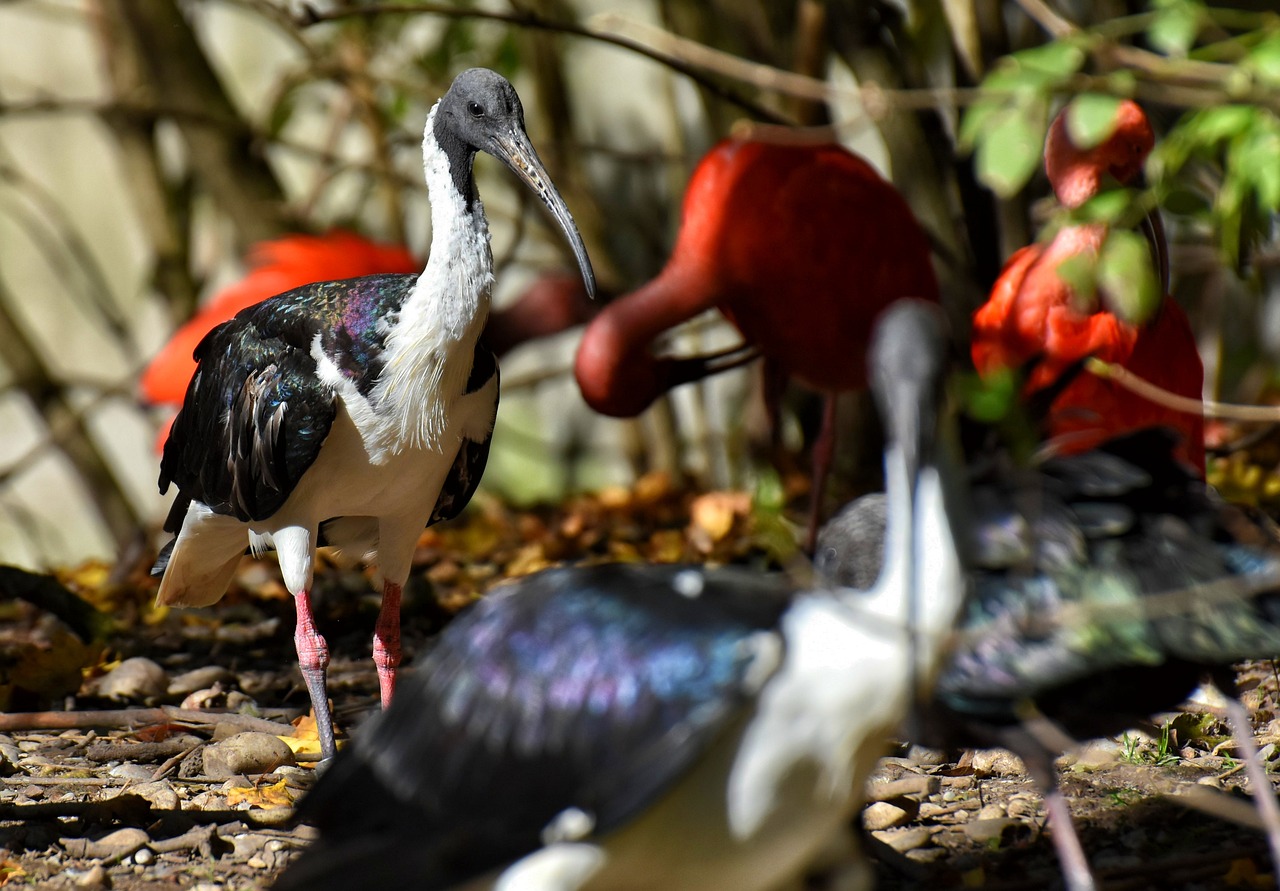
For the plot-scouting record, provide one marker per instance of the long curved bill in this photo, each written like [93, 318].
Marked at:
[1153, 229]
[514, 149]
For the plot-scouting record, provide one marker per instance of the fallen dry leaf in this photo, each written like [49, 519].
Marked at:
[261, 795]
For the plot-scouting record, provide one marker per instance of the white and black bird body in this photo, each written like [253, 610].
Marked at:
[353, 413]
[653, 727]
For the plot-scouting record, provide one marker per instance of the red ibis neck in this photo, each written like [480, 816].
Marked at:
[616, 369]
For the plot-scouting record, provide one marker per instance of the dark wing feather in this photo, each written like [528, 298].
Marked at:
[1094, 576]
[256, 414]
[590, 687]
[1127, 565]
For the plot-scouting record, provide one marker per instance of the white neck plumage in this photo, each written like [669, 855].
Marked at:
[432, 340]
[921, 563]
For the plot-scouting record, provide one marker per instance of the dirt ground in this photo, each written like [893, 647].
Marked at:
[121, 794]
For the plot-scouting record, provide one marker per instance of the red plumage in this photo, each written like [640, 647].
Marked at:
[800, 246]
[1032, 314]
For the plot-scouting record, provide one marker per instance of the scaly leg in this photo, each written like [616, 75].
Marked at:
[386, 641]
[313, 659]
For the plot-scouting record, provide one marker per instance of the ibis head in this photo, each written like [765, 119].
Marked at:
[481, 112]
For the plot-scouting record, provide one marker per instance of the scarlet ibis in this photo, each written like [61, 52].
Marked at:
[1105, 584]
[800, 246]
[358, 410]
[653, 727]
[1032, 314]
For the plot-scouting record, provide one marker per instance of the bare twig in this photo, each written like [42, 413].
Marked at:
[114, 719]
[1209, 408]
[524, 19]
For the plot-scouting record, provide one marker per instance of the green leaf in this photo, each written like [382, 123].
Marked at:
[1126, 278]
[989, 399]
[1009, 151]
[1264, 61]
[1185, 202]
[1255, 157]
[1108, 206]
[1213, 125]
[1079, 272]
[1176, 26]
[978, 117]
[1091, 119]
[1057, 59]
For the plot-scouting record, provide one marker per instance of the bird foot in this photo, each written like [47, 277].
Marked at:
[386, 641]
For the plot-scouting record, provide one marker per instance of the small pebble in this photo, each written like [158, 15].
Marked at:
[993, 811]
[903, 840]
[883, 815]
[1002, 830]
[245, 753]
[160, 794]
[911, 784]
[140, 772]
[95, 877]
[256, 862]
[996, 763]
[143, 857]
[137, 679]
[199, 679]
[1099, 754]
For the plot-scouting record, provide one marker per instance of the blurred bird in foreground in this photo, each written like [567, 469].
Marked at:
[801, 247]
[1105, 586]
[1034, 315]
[655, 727]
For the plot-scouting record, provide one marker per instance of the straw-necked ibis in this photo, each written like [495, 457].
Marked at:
[654, 727]
[1034, 315]
[357, 411]
[1105, 585]
[801, 247]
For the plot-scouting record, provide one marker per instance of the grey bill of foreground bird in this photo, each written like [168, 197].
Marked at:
[1105, 587]
[355, 412]
[655, 727]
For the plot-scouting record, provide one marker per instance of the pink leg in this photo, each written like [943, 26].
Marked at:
[386, 641]
[313, 659]
[824, 449]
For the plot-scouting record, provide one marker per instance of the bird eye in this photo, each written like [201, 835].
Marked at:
[476, 110]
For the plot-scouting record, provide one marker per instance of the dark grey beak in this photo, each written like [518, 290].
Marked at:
[514, 149]
[1153, 229]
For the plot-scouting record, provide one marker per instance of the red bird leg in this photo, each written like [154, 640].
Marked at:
[1062, 832]
[313, 659]
[824, 449]
[386, 641]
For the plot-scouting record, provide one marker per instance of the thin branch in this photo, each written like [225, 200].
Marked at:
[310, 16]
[1209, 408]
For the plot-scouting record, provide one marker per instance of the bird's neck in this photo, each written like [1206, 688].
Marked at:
[616, 369]
[921, 562]
[431, 341]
